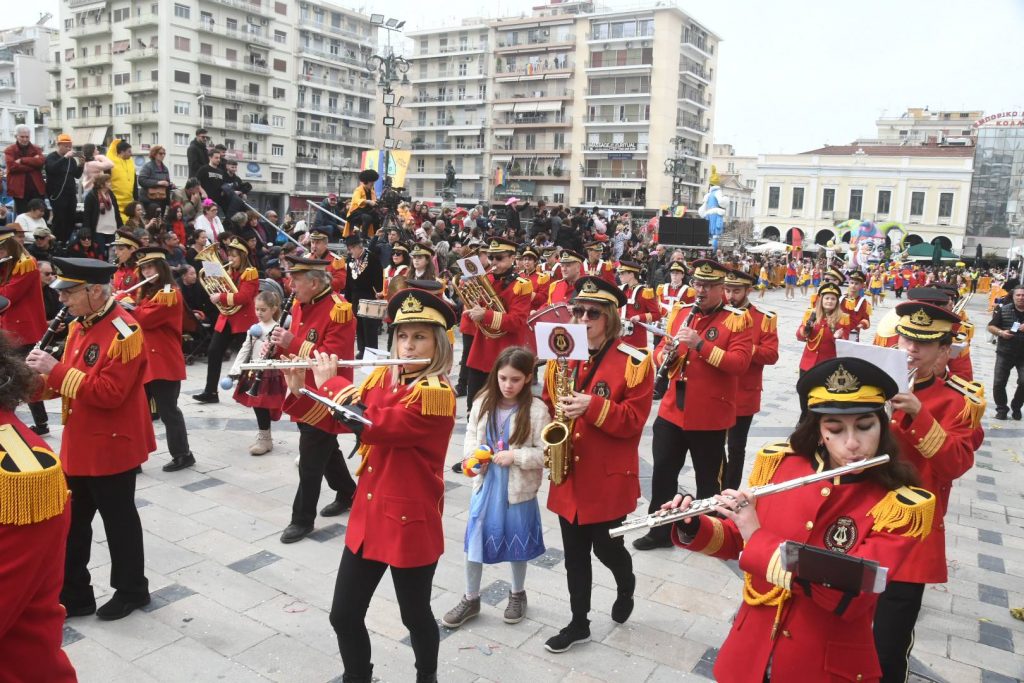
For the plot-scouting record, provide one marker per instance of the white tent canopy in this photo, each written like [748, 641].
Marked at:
[769, 248]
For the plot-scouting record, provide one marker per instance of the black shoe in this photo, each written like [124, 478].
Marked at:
[1016, 414]
[1002, 415]
[570, 635]
[206, 397]
[650, 541]
[40, 429]
[179, 463]
[119, 608]
[335, 508]
[82, 610]
[623, 605]
[295, 532]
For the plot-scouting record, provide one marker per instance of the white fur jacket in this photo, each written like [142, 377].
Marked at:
[527, 471]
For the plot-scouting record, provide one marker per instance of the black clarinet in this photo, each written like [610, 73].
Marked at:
[52, 329]
[257, 380]
[670, 353]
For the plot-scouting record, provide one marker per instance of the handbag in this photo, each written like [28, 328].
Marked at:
[156, 194]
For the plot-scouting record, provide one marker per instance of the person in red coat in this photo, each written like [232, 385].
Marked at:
[160, 312]
[395, 521]
[712, 344]
[938, 427]
[495, 330]
[34, 518]
[124, 245]
[596, 266]
[676, 290]
[607, 410]
[540, 280]
[551, 267]
[230, 329]
[788, 627]
[25, 318]
[764, 329]
[563, 290]
[24, 163]
[821, 326]
[321, 321]
[856, 305]
[337, 267]
[641, 305]
[107, 435]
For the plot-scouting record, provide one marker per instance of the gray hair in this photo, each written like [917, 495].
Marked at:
[107, 290]
[22, 129]
[320, 276]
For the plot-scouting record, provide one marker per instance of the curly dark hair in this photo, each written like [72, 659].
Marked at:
[17, 381]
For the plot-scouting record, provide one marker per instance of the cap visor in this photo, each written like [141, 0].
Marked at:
[844, 409]
[59, 284]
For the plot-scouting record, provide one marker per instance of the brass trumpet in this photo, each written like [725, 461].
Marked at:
[217, 285]
[477, 290]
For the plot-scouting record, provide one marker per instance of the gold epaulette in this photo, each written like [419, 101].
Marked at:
[767, 461]
[32, 485]
[522, 286]
[250, 273]
[373, 380]
[543, 278]
[647, 293]
[739, 320]
[25, 265]
[436, 397]
[974, 404]
[673, 313]
[342, 311]
[638, 365]
[962, 385]
[769, 321]
[166, 298]
[908, 507]
[127, 343]
[844, 319]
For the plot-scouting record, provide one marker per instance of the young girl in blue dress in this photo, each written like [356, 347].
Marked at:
[504, 516]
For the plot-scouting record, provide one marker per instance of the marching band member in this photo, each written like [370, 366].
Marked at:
[468, 329]
[34, 518]
[764, 330]
[365, 280]
[822, 324]
[318, 249]
[125, 243]
[562, 291]
[938, 427]
[108, 433]
[609, 405]
[396, 514]
[551, 266]
[540, 280]
[715, 345]
[422, 255]
[856, 304]
[675, 290]
[321, 321]
[960, 364]
[159, 313]
[597, 266]
[400, 265]
[640, 303]
[24, 319]
[833, 275]
[497, 331]
[789, 629]
[230, 328]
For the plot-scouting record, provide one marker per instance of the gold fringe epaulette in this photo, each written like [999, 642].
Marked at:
[966, 386]
[374, 379]
[543, 278]
[436, 397]
[126, 349]
[166, 298]
[250, 273]
[739, 319]
[637, 367]
[844, 319]
[26, 265]
[451, 336]
[32, 485]
[523, 286]
[973, 410]
[769, 322]
[767, 461]
[673, 313]
[909, 508]
[342, 311]
[647, 293]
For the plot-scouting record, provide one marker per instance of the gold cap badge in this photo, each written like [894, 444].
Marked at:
[842, 382]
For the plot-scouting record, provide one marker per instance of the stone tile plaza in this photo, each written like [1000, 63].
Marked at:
[232, 603]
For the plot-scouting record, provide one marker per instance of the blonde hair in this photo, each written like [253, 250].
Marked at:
[271, 300]
[440, 363]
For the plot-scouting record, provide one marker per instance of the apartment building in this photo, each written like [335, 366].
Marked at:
[573, 105]
[23, 54]
[920, 125]
[280, 83]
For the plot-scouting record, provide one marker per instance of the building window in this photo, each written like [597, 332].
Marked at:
[798, 199]
[182, 11]
[773, 197]
[856, 203]
[123, 78]
[884, 200]
[181, 140]
[421, 164]
[182, 77]
[69, 113]
[277, 150]
[277, 121]
[281, 8]
[278, 93]
[280, 65]
[182, 43]
[917, 204]
[277, 177]
[181, 107]
[280, 37]
[122, 108]
[946, 205]
[122, 14]
[180, 170]
[828, 199]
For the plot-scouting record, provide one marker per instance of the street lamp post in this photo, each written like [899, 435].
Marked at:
[676, 168]
[391, 69]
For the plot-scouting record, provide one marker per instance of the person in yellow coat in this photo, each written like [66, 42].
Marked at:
[122, 175]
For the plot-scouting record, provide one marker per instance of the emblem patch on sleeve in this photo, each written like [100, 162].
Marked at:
[311, 335]
[92, 354]
[602, 389]
[711, 334]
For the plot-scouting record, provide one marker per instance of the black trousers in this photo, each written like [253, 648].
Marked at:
[357, 581]
[577, 542]
[262, 418]
[164, 393]
[367, 331]
[62, 217]
[1004, 364]
[113, 496]
[319, 458]
[895, 618]
[737, 447]
[475, 381]
[467, 344]
[670, 446]
[219, 343]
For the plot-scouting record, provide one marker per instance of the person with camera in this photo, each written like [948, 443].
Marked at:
[63, 168]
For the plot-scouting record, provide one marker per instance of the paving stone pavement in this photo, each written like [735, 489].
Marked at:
[231, 603]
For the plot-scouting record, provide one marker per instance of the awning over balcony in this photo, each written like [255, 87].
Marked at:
[504, 107]
[503, 132]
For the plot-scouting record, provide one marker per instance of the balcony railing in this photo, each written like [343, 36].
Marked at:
[6, 84]
[91, 91]
[332, 57]
[694, 124]
[314, 81]
[321, 26]
[518, 146]
[552, 93]
[314, 187]
[562, 65]
[609, 200]
[139, 118]
[532, 121]
[246, 5]
[644, 34]
[251, 67]
[451, 145]
[232, 95]
[434, 99]
[613, 64]
[140, 53]
[451, 49]
[337, 111]
[145, 19]
[222, 123]
[540, 41]
[333, 137]
[141, 86]
[634, 118]
[89, 28]
[447, 123]
[91, 61]
[620, 92]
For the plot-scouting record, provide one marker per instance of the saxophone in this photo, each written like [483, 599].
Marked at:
[557, 444]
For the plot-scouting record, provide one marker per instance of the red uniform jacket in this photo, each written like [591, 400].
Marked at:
[540, 282]
[32, 572]
[553, 272]
[325, 324]
[498, 331]
[107, 425]
[940, 442]
[25, 320]
[561, 292]
[858, 310]
[764, 329]
[709, 377]
[821, 345]
[391, 272]
[669, 296]
[604, 482]
[818, 638]
[124, 277]
[399, 499]
[338, 269]
[24, 166]
[640, 302]
[160, 317]
[248, 284]
[602, 269]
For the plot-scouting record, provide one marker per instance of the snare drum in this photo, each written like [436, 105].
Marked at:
[372, 308]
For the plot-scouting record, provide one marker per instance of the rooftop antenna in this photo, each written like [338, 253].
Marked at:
[43, 18]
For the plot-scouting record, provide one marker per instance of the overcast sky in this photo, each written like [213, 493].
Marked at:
[796, 74]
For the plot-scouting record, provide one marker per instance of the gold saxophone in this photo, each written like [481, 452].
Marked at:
[556, 434]
[217, 285]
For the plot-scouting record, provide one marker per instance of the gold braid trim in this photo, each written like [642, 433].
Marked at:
[364, 453]
[636, 370]
[549, 379]
[166, 298]
[775, 597]
[315, 414]
[342, 311]
[910, 507]
[974, 408]
[250, 273]
[128, 348]
[717, 537]
[767, 461]
[603, 415]
[374, 379]
[716, 356]
[931, 442]
[737, 322]
[32, 497]
[26, 265]
[435, 397]
[306, 349]
[769, 324]
[72, 382]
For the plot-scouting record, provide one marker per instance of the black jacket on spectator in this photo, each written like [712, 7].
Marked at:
[231, 202]
[198, 300]
[91, 212]
[61, 174]
[198, 156]
[212, 179]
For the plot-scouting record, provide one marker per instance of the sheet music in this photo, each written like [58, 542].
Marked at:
[213, 269]
[892, 361]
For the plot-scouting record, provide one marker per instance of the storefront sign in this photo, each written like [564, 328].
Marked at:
[1007, 119]
[515, 188]
[612, 146]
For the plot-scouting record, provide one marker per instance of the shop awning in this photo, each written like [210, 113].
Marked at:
[504, 107]
[503, 132]
[549, 106]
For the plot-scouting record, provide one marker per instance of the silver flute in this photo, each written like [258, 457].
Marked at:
[706, 505]
[308, 363]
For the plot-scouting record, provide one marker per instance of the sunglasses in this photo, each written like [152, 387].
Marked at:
[579, 312]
